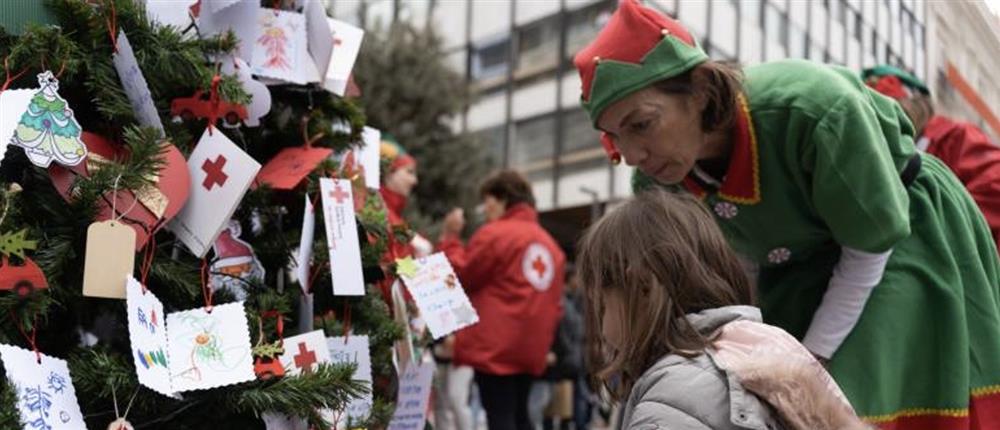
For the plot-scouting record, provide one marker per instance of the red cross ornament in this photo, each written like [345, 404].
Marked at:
[339, 194]
[539, 266]
[305, 358]
[213, 172]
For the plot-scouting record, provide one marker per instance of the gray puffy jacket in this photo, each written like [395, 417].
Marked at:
[679, 393]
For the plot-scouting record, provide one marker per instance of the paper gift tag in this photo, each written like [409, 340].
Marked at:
[342, 237]
[346, 45]
[303, 352]
[134, 84]
[439, 296]
[280, 46]
[45, 395]
[304, 259]
[287, 169]
[209, 349]
[110, 259]
[13, 104]
[372, 141]
[260, 95]
[220, 175]
[354, 350]
[148, 335]
[414, 393]
[238, 16]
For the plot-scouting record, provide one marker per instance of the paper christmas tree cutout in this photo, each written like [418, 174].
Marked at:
[47, 130]
[15, 244]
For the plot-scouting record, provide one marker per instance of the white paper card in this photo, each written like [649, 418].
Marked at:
[369, 157]
[210, 349]
[148, 334]
[240, 17]
[414, 393]
[346, 45]
[260, 101]
[303, 352]
[319, 33]
[304, 258]
[134, 84]
[342, 237]
[281, 46]
[354, 350]
[439, 295]
[13, 104]
[221, 173]
[45, 395]
[170, 12]
[275, 421]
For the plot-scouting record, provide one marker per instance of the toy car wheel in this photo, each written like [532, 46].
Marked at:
[187, 115]
[232, 118]
[23, 288]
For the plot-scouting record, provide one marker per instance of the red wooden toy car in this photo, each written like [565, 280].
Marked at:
[200, 105]
[23, 278]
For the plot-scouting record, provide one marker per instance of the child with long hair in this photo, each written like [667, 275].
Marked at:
[673, 334]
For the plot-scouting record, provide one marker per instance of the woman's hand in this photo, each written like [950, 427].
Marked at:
[454, 222]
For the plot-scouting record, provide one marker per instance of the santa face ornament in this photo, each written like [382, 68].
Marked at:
[235, 265]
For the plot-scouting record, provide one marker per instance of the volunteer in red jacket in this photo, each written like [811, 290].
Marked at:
[511, 270]
[962, 146]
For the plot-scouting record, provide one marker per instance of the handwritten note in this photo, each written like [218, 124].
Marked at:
[354, 350]
[414, 393]
[439, 296]
[134, 84]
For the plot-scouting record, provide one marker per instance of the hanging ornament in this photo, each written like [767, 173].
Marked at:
[235, 262]
[267, 364]
[47, 130]
[24, 276]
[209, 106]
[158, 202]
[120, 424]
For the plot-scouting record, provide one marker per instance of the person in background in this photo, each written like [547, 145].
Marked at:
[962, 146]
[510, 269]
[565, 363]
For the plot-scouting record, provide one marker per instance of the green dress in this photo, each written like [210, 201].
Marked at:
[817, 166]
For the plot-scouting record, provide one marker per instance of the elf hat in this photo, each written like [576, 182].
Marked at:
[393, 154]
[230, 251]
[638, 47]
[893, 82]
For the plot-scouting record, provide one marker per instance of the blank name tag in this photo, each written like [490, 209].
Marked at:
[110, 259]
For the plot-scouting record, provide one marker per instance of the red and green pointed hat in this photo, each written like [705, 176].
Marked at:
[893, 82]
[638, 47]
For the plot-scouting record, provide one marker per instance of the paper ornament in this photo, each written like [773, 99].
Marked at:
[438, 294]
[238, 16]
[157, 203]
[208, 105]
[109, 260]
[342, 237]
[134, 84]
[48, 130]
[46, 398]
[268, 368]
[148, 338]
[346, 45]
[260, 95]
[287, 169]
[209, 349]
[170, 12]
[303, 259]
[13, 104]
[414, 394]
[354, 350]
[303, 352]
[21, 275]
[280, 50]
[235, 264]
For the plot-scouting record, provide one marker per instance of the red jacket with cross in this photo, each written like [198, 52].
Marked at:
[968, 152]
[512, 270]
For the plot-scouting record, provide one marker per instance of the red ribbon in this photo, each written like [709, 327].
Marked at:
[205, 290]
[31, 339]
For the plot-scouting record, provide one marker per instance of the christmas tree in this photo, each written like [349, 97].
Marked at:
[45, 226]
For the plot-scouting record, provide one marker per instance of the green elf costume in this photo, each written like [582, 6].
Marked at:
[871, 253]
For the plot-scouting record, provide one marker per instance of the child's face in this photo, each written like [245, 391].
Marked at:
[611, 321]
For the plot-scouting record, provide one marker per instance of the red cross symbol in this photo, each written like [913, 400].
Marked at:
[539, 266]
[214, 174]
[337, 41]
[305, 358]
[338, 194]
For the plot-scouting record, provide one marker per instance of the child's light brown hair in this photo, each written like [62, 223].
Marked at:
[665, 257]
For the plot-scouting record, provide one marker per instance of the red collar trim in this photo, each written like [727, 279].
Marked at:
[742, 181]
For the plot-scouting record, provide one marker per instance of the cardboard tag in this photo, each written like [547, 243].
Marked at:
[134, 84]
[110, 259]
[287, 169]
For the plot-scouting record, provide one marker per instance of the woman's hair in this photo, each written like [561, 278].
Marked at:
[663, 255]
[718, 82]
[509, 186]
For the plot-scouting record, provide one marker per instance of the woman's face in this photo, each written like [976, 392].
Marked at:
[493, 208]
[403, 179]
[657, 132]
[611, 320]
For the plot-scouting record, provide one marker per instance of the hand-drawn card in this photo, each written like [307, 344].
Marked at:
[134, 84]
[342, 237]
[354, 349]
[220, 175]
[148, 334]
[238, 16]
[439, 296]
[287, 169]
[346, 45]
[280, 46]
[371, 142]
[45, 395]
[303, 352]
[209, 349]
[414, 393]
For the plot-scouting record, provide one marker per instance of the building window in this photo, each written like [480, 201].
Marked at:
[534, 143]
[490, 59]
[584, 24]
[776, 26]
[578, 133]
[493, 139]
[857, 26]
[798, 42]
[537, 46]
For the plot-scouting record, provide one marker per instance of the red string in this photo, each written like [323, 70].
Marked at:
[147, 259]
[112, 23]
[10, 79]
[214, 98]
[280, 328]
[306, 140]
[205, 290]
[31, 339]
[347, 322]
[62, 69]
